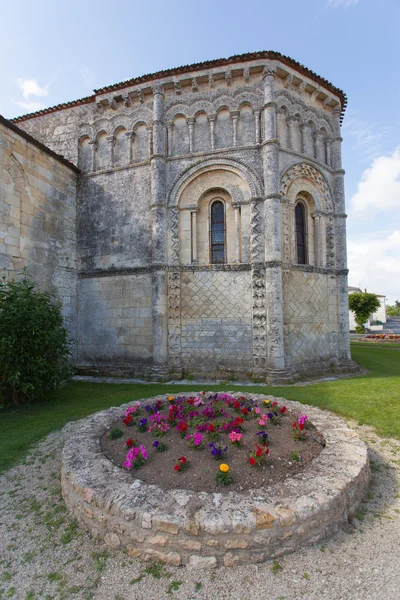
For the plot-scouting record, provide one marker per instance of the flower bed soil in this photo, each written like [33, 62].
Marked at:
[159, 469]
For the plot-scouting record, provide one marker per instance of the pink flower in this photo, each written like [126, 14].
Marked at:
[197, 439]
[258, 410]
[235, 437]
[143, 451]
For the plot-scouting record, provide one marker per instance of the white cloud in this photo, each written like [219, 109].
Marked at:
[345, 3]
[374, 263]
[379, 188]
[30, 87]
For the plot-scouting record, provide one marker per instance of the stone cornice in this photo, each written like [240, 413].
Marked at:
[220, 267]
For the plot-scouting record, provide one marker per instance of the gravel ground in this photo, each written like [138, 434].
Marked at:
[43, 555]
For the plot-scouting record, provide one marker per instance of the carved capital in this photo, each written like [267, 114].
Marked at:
[140, 95]
[228, 77]
[158, 89]
[211, 80]
[235, 114]
[269, 71]
[212, 117]
[195, 87]
[190, 120]
[288, 80]
[177, 87]
[246, 73]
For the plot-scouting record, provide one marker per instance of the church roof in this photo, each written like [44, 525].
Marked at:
[219, 62]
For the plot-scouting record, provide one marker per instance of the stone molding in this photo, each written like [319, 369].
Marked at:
[201, 529]
[222, 267]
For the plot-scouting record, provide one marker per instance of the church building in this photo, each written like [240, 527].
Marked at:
[190, 221]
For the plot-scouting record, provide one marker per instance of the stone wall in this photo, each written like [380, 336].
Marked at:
[310, 316]
[115, 321]
[38, 217]
[216, 320]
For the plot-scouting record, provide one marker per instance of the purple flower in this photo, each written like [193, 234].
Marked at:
[156, 444]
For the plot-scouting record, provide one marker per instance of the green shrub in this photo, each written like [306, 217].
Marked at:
[363, 306]
[34, 346]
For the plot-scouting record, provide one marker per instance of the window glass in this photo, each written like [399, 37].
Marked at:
[217, 232]
[301, 251]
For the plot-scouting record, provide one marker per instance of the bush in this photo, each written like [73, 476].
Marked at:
[34, 346]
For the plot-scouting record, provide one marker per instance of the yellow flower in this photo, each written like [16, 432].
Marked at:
[224, 468]
[267, 401]
[171, 398]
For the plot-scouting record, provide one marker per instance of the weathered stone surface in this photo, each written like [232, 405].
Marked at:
[112, 540]
[170, 558]
[158, 540]
[236, 543]
[167, 526]
[146, 521]
[264, 520]
[190, 544]
[202, 562]
[286, 516]
[133, 551]
[231, 560]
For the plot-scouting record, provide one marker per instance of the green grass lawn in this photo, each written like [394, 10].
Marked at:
[372, 399]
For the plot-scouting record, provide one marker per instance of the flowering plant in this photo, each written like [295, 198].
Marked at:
[195, 441]
[159, 425]
[135, 458]
[236, 438]
[181, 464]
[257, 456]
[129, 412]
[299, 426]
[143, 425]
[217, 451]
[223, 475]
[129, 443]
[182, 427]
[263, 437]
[160, 446]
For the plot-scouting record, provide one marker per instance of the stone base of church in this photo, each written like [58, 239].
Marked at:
[151, 372]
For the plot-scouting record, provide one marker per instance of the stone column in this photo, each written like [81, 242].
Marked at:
[94, 145]
[317, 239]
[257, 123]
[110, 140]
[158, 234]
[194, 235]
[150, 140]
[319, 146]
[170, 126]
[237, 233]
[211, 119]
[130, 137]
[292, 232]
[272, 220]
[235, 119]
[303, 131]
[328, 152]
[190, 122]
[290, 123]
[340, 239]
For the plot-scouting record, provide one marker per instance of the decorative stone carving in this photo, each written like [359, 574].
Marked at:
[177, 86]
[174, 234]
[304, 170]
[289, 81]
[195, 87]
[255, 231]
[174, 318]
[211, 80]
[246, 73]
[259, 319]
[228, 77]
[330, 244]
[139, 92]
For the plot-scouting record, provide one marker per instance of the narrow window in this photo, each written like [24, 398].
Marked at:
[301, 249]
[217, 232]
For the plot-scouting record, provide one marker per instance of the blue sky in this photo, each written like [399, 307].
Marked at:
[55, 52]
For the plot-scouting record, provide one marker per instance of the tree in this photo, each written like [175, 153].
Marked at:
[394, 310]
[34, 346]
[363, 305]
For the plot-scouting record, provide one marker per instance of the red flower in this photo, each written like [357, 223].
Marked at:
[177, 467]
[274, 404]
[301, 426]
[267, 451]
[182, 460]
[182, 426]
[127, 420]
[258, 451]
[283, 410]
[294, 424]
[211, 428]
[236, 405]
[252, 461]
[129, 443]
[244, 411]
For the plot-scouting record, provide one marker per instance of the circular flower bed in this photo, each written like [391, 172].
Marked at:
[178, 525]
[183, 440]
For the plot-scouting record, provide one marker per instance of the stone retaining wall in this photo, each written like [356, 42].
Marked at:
[198, 529]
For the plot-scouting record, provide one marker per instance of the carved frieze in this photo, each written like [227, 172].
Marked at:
[259, 319]
[174, 318]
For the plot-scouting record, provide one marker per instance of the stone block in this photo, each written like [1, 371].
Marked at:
[171, 558]
[202, 562]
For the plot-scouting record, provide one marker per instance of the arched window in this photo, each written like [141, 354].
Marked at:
[217, 232]
[301, 233]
